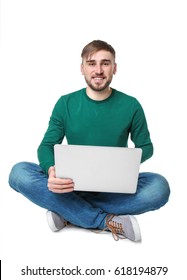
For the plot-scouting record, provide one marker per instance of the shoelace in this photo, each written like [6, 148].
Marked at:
[115, 228]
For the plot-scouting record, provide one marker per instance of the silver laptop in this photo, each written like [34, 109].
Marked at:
[99, 169]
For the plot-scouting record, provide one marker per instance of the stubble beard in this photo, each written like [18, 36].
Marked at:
[98, 87]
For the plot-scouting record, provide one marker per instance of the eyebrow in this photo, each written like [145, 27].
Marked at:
[103, 60]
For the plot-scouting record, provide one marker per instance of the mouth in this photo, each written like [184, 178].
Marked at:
[98, 79]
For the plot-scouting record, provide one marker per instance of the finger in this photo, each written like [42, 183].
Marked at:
[67, 190]
[52, 186]
[60, 186]
[59, 181]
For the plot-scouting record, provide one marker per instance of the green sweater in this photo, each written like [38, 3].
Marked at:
[84, 121]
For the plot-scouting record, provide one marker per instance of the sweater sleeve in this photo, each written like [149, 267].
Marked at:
[140, 135]
[54, 135]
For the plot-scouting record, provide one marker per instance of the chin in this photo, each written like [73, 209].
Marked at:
[99, 88]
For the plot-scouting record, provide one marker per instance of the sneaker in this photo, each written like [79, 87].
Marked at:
[55, 221]
[123, 226]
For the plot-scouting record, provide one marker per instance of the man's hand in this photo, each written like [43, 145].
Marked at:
[59, 185]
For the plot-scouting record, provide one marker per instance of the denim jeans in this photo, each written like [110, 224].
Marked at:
[89, 209]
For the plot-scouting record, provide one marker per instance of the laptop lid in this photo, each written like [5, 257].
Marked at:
[99, 169]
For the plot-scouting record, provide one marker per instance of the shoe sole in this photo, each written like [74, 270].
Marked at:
[51, 222]
[136, 228]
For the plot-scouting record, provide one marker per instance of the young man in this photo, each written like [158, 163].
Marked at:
[96, 115]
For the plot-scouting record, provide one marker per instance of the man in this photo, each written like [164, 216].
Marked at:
[96, 115]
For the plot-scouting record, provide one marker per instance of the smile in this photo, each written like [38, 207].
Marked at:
[98, 79]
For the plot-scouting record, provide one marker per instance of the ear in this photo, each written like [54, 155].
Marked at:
[115, 68]
[82, 69]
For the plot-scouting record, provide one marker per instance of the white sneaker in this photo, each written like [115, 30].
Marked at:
[124, 226]
[55, 221]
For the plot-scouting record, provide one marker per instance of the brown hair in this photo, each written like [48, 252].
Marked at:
[96, 45]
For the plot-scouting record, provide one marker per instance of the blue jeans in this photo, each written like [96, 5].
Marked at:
[89, 209]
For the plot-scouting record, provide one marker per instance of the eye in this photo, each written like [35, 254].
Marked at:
[91, 63]
[106, 62]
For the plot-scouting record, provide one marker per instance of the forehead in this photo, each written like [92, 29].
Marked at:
[100, 55]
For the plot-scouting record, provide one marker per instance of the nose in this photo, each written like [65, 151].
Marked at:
[98, 69]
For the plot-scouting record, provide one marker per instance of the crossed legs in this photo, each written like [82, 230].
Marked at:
[89, 209]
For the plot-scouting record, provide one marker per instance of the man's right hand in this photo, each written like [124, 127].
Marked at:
[59, 185]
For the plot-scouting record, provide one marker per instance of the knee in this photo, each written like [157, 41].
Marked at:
[19, 174]
[18, 169]
[157, 190]
[163, 184]
[19, 166]
[162, 188]
[15, 174]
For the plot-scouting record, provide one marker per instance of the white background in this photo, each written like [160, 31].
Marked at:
[41, 42]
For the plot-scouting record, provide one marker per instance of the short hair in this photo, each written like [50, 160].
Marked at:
[95, 46]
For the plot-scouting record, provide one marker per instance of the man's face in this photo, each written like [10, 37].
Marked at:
[98, 70]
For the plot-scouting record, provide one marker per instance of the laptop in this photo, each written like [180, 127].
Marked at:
[98, 168]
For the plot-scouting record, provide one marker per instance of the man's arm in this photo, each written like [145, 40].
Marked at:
[54, 135]
[140, 134]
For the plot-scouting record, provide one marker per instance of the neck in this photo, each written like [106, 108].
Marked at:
[98, 95]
